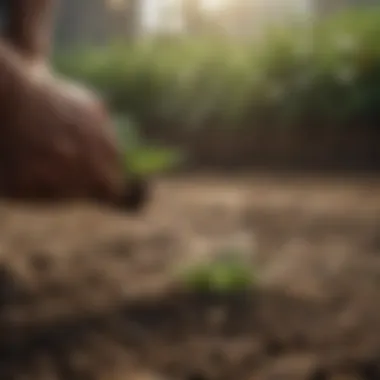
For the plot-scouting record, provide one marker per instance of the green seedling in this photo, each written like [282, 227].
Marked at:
[147, 161]
[222, 276]
[141, 159]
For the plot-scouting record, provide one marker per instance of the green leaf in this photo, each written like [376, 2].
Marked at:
[219, 276]
[151, 160]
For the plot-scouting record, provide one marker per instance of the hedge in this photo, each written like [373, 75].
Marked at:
[322, 74]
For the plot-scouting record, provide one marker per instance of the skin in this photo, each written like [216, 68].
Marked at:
[56, 138]
[29, 27]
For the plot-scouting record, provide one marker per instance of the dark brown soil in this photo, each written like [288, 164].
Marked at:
[89, 294]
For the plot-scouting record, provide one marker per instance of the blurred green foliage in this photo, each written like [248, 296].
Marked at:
[141, 159]
[321, 74]
[224, 274]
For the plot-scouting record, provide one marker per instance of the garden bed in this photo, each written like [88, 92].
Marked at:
[88, 294]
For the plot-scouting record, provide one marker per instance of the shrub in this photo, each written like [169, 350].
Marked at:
[326, 74]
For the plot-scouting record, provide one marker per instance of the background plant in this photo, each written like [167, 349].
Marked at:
[323, 74]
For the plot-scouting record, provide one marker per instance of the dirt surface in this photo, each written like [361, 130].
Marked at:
[89, 294]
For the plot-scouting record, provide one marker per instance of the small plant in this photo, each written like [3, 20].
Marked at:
[225, 274]
[150, 160]
[142, 159]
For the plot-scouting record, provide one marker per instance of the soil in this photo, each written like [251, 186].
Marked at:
[86, 293]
